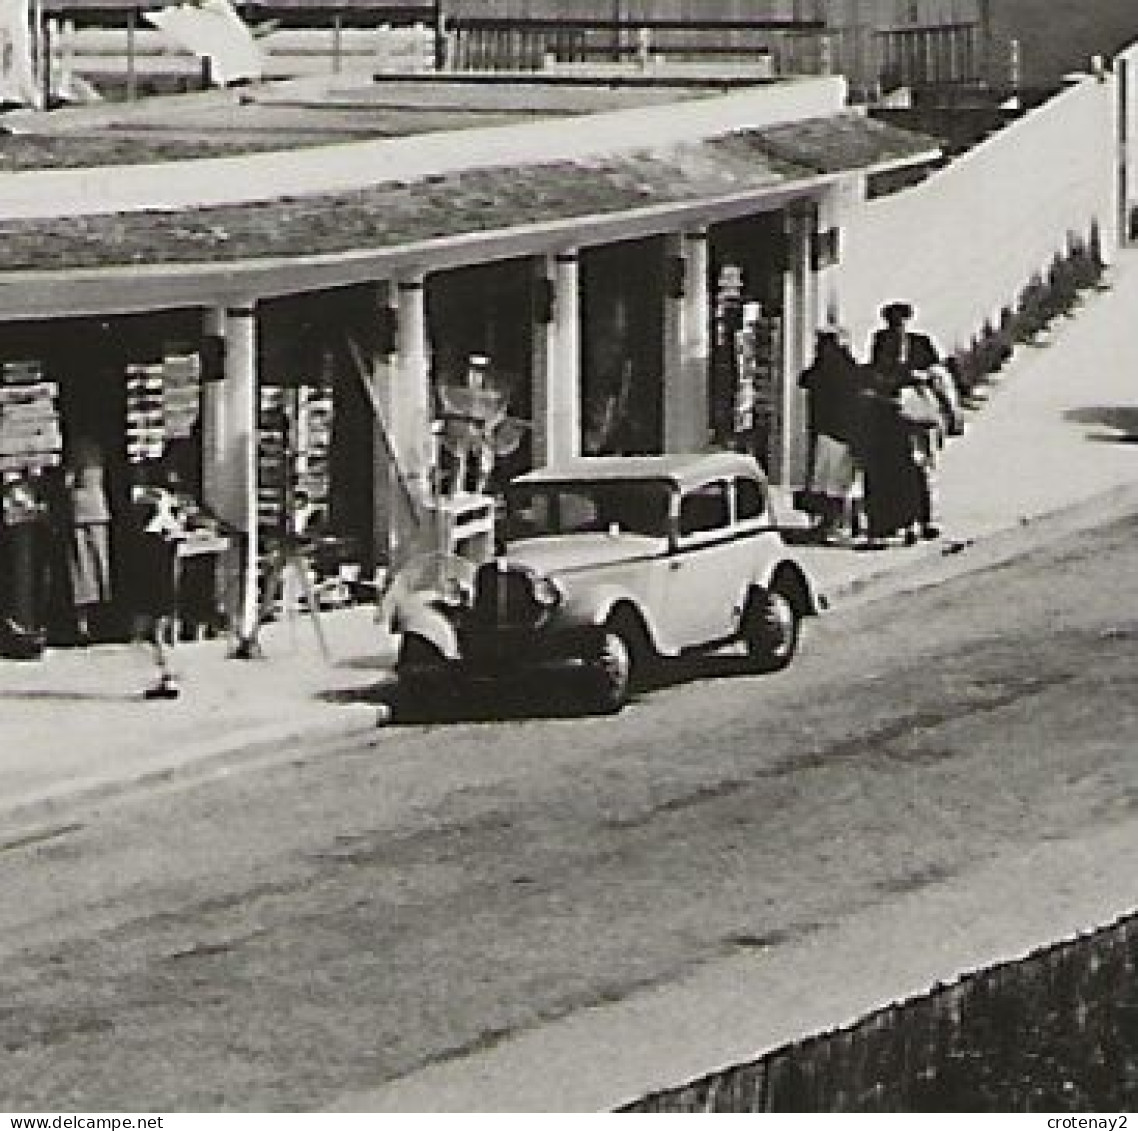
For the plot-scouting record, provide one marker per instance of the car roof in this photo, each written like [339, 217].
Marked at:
[681, 469]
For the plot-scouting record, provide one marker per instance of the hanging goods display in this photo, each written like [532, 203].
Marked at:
[30, 436]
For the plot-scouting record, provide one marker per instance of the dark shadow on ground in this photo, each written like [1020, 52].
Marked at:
[1122, 420]
[553, 696]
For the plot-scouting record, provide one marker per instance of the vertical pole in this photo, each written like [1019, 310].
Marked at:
[337, 42]
[1123, 66]
[45, 56]
[439, 20]
[388, 505]
[66, 55]
[983, 32]
[131, 54]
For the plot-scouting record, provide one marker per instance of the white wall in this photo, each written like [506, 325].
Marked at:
[961, 245]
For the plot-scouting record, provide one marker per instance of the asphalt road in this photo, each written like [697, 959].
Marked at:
[276, 934]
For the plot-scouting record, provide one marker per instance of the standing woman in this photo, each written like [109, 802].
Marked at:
[90, 514]
[832, 383]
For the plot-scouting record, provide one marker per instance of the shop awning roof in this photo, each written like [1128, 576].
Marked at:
[199, 256]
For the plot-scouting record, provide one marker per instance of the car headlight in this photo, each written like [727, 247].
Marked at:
[546, 592]
[454, 593]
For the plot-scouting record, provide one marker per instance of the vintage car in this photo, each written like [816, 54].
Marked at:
[608, 564]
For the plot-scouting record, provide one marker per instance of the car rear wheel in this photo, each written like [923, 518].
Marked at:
[771, 628]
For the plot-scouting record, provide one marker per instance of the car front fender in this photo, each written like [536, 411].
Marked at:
[591, 609]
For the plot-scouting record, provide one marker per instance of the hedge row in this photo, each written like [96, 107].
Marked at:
[1048, 295]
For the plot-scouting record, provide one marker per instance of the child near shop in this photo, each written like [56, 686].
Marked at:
[159, 525]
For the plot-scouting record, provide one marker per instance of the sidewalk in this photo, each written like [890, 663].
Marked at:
[1058, 432]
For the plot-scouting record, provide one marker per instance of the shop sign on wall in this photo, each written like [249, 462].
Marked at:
[163, 401]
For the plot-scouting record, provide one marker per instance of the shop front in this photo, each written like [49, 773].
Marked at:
[481, 340]
[91, 410]
[328, 383]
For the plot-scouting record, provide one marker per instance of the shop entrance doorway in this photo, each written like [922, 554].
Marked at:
[747, 288]
[622, 348]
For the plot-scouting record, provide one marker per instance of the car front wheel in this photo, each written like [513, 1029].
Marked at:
[611, 668]
[425, 679]
[770, 630]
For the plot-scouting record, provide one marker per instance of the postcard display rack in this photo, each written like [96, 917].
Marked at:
[294, 445]
[294, 441]
[758, 361]
[30, 436]
[163, 401]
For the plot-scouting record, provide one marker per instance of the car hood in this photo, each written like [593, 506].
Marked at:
[579, 551]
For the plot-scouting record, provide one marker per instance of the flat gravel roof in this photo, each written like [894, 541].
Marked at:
[486, 200]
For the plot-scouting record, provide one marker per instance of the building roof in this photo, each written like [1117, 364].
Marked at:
[737, 167]
[303, 114]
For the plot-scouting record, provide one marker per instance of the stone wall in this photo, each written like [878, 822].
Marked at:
[1057, 1031]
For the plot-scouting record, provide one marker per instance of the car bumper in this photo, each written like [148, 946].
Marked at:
[509, 651]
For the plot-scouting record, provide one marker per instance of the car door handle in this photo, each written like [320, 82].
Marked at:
[673, 566]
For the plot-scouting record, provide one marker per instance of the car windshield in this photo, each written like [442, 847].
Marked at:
[631, 506]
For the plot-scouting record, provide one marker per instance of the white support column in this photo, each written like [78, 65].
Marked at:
[411, 406]
[213, 420]
[687, 343]
[237, 503]
[833, 207]
[788, 455]
[557, 362]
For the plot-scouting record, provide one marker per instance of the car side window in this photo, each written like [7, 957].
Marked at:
[750, 500]
[705, 509]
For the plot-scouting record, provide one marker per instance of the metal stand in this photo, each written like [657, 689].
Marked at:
[288, 561]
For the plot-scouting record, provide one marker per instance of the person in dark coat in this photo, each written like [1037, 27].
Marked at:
[900, 455]
[896, 352]
[831, 383]
[894, 493]
[23, 541]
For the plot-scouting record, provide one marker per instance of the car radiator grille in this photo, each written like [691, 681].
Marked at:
[504, 598]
